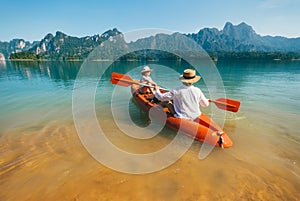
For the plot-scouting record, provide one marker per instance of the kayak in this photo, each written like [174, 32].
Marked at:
[203, 129]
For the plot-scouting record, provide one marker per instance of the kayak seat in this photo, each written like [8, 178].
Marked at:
[166, 110]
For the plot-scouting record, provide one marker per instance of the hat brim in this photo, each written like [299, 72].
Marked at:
[193, 80]
[144, 71]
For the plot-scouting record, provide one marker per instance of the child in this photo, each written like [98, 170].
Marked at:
[146, 80]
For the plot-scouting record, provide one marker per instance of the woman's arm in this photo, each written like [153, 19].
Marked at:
[203, 100]
[164, 96]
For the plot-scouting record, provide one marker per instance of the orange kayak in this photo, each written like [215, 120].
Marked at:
[204, 129]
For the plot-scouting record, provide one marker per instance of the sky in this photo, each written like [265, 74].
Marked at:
[33, 19]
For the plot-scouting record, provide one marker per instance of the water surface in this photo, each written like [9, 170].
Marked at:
[42, 158]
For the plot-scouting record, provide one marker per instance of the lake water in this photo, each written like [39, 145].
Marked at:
[42, 158]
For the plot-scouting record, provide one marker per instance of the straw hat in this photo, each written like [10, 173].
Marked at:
[146, 69]
[189, 76]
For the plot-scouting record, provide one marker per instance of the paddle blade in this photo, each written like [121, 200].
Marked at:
[121, 79]
[227, 104]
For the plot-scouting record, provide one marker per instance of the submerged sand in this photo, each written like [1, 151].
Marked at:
[48, 162]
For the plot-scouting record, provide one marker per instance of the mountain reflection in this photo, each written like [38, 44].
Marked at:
[57, 71]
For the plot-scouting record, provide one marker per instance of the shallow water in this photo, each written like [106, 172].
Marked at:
[42, 157]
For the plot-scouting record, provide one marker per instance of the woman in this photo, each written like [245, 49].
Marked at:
[186, 98]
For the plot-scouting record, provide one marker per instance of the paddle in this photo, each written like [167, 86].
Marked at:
[227, 104]
[122, 80]
[221, 103]
[125, 80]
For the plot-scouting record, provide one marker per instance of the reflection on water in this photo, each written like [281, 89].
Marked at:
[57, 71]
[41, 157]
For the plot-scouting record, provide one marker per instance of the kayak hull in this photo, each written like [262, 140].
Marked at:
[203, 129]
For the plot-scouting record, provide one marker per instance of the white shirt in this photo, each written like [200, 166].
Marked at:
[186, 100]
[145, 80]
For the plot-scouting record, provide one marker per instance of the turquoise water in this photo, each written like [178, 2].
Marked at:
[36, 115]
[268, 84]
[32, 92]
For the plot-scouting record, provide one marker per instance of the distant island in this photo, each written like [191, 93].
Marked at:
[232, 42]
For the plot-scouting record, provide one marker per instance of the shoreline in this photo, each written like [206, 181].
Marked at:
[137, 60]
